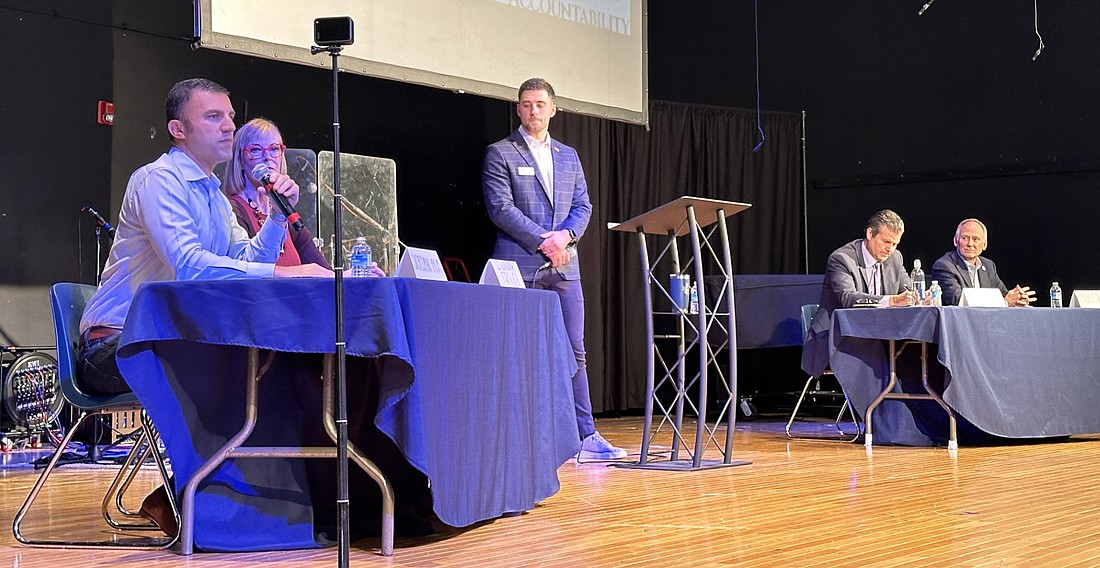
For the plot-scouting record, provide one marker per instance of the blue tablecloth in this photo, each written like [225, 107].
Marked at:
[471, 383]
[1009, 372]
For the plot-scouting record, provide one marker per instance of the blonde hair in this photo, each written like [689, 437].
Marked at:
[235, 176]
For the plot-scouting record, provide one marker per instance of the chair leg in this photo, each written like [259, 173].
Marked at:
[153, 438]
[146, 443]
[797, 405]
[846, 407]
[15, 526]
[121, 485]
[122, 479]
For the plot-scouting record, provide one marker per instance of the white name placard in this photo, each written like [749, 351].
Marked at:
[982, 298]
[503, 273]
[422, 264]
[1085, 299]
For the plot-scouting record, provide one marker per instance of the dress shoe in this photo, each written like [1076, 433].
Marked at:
[157, 508]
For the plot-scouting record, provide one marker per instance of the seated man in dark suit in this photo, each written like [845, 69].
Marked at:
[964, 267]
[864, 270]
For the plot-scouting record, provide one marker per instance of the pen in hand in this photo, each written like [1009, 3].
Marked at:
[908, 289]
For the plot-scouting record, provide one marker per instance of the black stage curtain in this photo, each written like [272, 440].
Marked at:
[696, 150]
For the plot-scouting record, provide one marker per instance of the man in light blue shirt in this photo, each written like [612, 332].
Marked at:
[175, 224]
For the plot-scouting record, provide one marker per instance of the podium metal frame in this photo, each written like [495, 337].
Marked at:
[688, 216]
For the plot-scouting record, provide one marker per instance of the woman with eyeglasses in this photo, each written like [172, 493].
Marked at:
[259, 141]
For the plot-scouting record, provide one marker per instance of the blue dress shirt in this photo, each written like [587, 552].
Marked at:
[175, 224]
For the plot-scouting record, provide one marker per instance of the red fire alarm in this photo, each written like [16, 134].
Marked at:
[105, 113]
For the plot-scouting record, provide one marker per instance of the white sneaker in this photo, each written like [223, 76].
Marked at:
[594, 447]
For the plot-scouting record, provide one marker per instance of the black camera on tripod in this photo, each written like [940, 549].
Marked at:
[333, 31]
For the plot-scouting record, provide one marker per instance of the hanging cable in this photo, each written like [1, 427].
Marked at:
[1035, 3]
[756, 28]
[1037, 34]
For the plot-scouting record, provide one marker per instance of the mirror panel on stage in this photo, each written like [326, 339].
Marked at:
[301, 165]
[369, 185]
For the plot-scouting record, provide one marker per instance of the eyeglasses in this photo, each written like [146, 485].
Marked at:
[256, 152]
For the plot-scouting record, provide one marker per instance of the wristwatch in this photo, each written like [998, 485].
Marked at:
[572, 237]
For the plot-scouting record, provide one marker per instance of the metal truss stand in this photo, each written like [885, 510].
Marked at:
[689, 216]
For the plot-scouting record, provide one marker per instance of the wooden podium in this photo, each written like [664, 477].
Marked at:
[688, 216]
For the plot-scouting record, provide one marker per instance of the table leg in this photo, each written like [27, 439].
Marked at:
[358, 457]
[233, 448]
[930, 394]
[952, 434]
[187, 524]
[869, 435]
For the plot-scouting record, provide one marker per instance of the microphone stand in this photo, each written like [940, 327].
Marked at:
[94, 454]
[100, 225]
[98, 254]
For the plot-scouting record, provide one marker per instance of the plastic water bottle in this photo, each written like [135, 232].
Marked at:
[1055, 295]
[679, 288]
[694, 298]
[360, 258]
[935, 293]
[918, 281]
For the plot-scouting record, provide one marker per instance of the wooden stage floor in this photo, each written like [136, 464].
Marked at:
[800, 503]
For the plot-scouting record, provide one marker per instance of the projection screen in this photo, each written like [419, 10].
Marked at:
[592, 51]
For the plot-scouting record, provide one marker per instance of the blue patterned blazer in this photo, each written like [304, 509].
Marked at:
[522, 207]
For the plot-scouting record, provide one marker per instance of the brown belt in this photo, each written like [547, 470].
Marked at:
[99, 332]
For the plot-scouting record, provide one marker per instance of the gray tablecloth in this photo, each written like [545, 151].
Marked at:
[1010, 372]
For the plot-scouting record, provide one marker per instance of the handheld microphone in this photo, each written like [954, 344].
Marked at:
[99, 220]
[263, 173]
[571, 251]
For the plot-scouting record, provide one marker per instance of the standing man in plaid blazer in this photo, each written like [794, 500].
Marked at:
[537, 197]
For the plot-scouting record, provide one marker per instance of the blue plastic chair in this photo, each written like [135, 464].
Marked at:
[67, 301]
[808, 311]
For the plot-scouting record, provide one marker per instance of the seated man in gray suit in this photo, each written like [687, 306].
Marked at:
[964, 267]
[864, 270]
